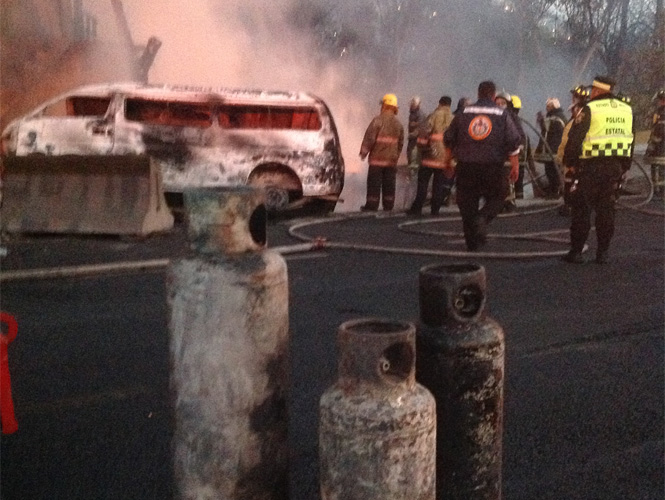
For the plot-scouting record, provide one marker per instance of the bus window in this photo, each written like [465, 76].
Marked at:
[306, 120]
[190, 115]
[141, 110]
[78, 106]
[268, 117]
[89, 106]
[176, 114]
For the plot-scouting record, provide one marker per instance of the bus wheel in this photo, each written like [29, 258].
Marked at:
[281, 187]
[276, 198]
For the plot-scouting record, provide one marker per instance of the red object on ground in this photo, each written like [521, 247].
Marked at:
[9, 423]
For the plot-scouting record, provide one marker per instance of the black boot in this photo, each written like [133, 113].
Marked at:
[573, 257]
[601, 256]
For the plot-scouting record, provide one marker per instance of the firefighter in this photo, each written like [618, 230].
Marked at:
[526, 153]
[480, 138]
[432, 153]
[579, 96]
[600, 149]
[551, 128]
[461, 104]
[655, 153]
[383, 142]
[416, 118]
[504, 100]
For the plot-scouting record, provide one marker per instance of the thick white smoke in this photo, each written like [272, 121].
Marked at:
[245, 44]
[254, 44]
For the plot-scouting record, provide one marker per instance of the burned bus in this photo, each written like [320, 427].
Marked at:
[284, 142]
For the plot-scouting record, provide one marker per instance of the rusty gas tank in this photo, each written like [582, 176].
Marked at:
[377, 428]
[229, 352]
[460, 353]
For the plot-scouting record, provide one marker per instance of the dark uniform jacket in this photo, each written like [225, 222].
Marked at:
[383, 140]
[552, 129]
[656, 144]
[416, 117]
[483, 133]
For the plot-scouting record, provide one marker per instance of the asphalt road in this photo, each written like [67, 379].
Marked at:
[585, 377]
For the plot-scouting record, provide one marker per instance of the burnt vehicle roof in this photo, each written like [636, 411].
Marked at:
[193, 93]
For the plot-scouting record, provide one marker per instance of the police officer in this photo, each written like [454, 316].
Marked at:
[599, 149]
[481, 138]
[383, 142]
[655, 153]
[432, 152]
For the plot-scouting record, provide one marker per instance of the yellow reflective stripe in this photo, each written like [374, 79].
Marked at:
[611, 139]
[433, 163]
[381, 163]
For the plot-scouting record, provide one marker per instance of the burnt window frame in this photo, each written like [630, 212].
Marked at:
[78, 106]
[168, 113]
[269, 117]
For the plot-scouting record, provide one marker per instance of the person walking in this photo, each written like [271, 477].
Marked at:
[432, 154]
[382, 143]
[655, 153]
[600, 149]
[480, 139]
[551, 128]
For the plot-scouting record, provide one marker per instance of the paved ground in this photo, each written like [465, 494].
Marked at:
[584, 401]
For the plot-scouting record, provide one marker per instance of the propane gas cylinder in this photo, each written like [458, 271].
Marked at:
[377, 431]
[460, 359]
[229, 351]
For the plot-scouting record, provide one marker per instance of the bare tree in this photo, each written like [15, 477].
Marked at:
[625, 36]
[376, 33]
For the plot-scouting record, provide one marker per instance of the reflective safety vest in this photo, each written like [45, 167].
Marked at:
[611, 129]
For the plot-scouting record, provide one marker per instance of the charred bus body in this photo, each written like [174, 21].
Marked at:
[284, 142]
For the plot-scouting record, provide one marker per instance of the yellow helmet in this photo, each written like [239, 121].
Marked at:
[517, 102]
[389, 100]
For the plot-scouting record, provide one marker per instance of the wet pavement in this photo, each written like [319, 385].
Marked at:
[584, 393]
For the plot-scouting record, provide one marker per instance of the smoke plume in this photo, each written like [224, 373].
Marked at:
[275, 46]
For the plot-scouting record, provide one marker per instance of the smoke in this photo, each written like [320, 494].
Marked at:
[246, 44]
[408, 48]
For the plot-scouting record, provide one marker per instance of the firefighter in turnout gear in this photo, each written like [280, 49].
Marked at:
[481, 137]
[416, 118]
[526, 153]
[655, 153]
[551, 129]
[506, 101]
[600, 149]
[579, 96]
[383, 142]
[432, 153]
